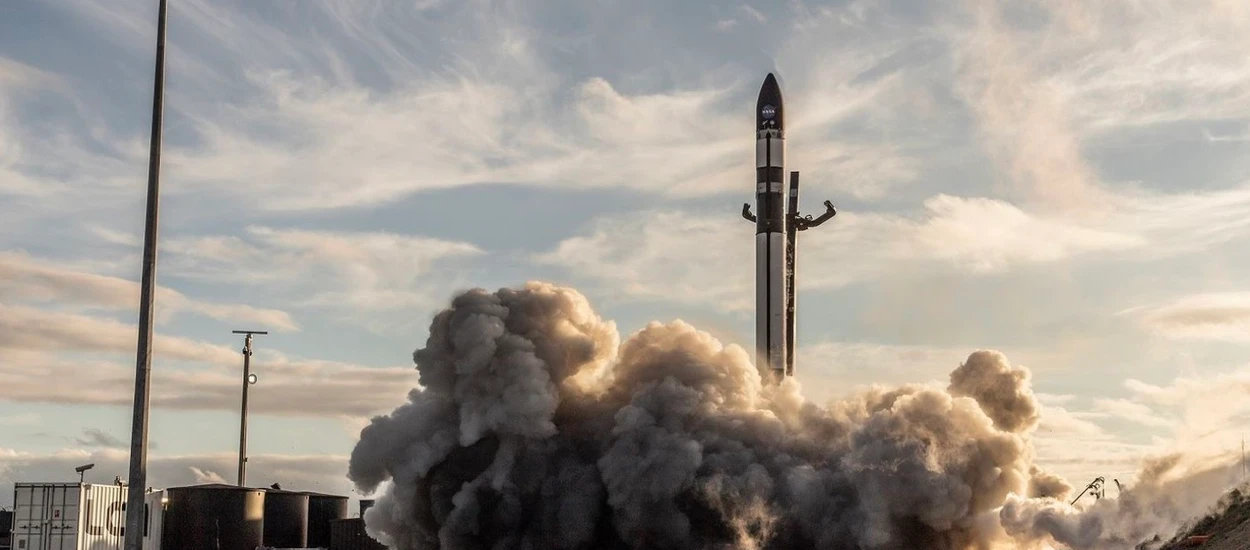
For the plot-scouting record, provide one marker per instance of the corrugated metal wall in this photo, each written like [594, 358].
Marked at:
[68, 516]
[349, 534]
[45, 516]
[103, 517]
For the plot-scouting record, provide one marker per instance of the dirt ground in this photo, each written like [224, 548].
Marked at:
[1229, 529]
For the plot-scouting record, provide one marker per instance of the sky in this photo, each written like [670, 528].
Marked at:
[1066, 182]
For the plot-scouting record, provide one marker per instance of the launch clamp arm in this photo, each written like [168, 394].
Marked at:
[807, 222]
[746, 212]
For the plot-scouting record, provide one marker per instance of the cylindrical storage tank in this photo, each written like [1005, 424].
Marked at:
[349, 534]
[365, 504]
[322, 509]
[213, 517]
[286, 519]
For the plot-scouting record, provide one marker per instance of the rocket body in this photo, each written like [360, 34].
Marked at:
[770, 230]
[776, 236]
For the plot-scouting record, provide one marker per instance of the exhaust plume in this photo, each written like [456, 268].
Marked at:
[537, 427]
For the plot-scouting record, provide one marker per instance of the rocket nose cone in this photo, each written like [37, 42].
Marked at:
[768, 108]
[770, 90]
[770, 81]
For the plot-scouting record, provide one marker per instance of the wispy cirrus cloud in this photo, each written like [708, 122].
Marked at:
[25, 279]
[635, 253]
[1214, 316]
[290, 385]
[95, 437]
[344, 270]
[1204, 404]
[1131, 411]
[303, 128]
[26, 329]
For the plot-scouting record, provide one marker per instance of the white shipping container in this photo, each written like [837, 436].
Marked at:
[68, 516]
[154, 505]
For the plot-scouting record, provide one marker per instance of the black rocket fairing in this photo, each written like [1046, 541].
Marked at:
[776, 238]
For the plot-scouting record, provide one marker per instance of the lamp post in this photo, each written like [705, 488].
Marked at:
[82, 471]
[147, 298]
[248, 379]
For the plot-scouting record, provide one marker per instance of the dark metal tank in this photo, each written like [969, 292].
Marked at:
[214, 517]
[322, 509]
[349, 534]
[286, 519]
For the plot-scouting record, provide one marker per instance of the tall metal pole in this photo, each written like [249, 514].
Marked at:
[792, 259]
[247, 381]
[143, 362]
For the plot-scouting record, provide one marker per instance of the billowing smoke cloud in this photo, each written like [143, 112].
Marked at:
[536, 427]
[1167, 495]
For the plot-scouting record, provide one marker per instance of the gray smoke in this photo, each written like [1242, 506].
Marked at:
[536, 427]
[1162, 500]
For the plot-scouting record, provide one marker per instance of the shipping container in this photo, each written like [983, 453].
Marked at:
[154, 520]
[349, 534]
[68, 516]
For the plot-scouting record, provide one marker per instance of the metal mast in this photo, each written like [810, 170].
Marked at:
[143, 361]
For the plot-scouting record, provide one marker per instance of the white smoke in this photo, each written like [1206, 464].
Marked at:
[536, 427]
[1167, 495]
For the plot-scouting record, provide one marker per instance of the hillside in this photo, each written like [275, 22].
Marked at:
[1227, 529]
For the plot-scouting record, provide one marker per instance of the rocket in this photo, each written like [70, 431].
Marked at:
[776, 235]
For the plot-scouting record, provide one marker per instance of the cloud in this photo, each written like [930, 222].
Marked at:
[1207, 409]
[1022, 116]
[634, 254]
[1134, 66]
[1132, 412]
[833, 370]
[29, 329]
[25, 279]
[95, 437]
[1061, 424]
[289, 387]
[1217, 138]
[19, 419]
[1216, 316]
[298, 128]
[17, 81]
[321, 473]
[1186, 221]
[335, 270]
[753, 13]
[986, 235]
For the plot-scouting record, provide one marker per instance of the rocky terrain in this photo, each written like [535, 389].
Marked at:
[1228, 528]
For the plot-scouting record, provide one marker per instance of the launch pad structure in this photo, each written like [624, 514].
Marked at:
[776, 235]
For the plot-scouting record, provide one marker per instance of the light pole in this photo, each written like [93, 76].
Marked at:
[248, 379]
[82, 471]
[147, 298]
